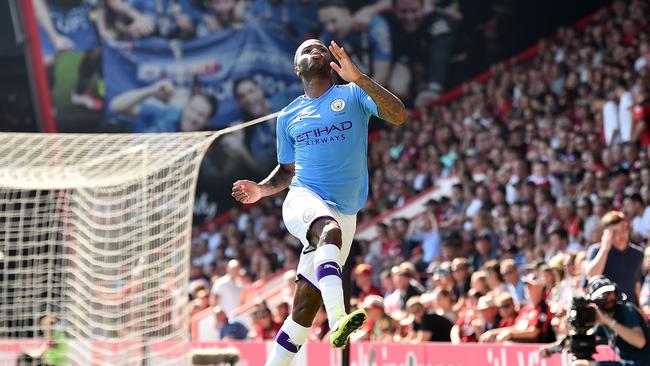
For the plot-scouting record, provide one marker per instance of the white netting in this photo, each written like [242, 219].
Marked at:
[95, 229]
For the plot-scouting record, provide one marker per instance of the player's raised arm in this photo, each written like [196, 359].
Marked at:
[246, 191]
[389, 106]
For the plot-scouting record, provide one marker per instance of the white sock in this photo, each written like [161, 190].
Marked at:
[328, 273]
[289, 340]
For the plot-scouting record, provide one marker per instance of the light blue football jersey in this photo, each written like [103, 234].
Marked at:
[327, 138]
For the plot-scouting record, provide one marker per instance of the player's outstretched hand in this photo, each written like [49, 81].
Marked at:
[246, 191]
[348, 70]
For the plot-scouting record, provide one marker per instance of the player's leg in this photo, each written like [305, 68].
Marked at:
[295, 329]
[326, 234]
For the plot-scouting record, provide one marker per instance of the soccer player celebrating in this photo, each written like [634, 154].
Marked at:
[322, 156]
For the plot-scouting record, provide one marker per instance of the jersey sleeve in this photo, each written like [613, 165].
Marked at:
[379, 38]
[286, 147]
[366, 103]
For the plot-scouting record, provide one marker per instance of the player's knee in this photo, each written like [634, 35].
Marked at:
[331, 234]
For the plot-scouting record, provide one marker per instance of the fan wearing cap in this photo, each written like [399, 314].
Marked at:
[617, 258]
[488, 314]
[363, 280]
[620, 322]
[379, 327]
[533, 323]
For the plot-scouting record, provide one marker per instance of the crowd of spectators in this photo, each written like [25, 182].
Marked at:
[499, 258]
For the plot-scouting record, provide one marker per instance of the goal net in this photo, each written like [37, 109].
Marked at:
[95, 230]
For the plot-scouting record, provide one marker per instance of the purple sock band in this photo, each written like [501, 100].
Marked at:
[284, 340]
[328, 269]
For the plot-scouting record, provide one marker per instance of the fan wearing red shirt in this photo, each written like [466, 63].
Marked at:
[507, 310]
[533, 323]
[264, 328]
[363, 278]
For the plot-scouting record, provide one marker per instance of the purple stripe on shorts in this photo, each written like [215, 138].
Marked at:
[284, 340]
[328, 269]
[299, 277]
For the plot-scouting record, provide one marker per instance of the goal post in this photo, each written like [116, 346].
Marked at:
[95, 230]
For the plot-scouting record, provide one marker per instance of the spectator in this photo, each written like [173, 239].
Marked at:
[617, 258]
[264, 327]
[379, 327]
[363, 281]
[370, 49]
[488, 315]
[154, 112]
[513, 280]
[507, 310]
[494, 278]
[444, 302]
[427, 327]
[483, 248]
[462, 279]
[404, 289]
[625, 104]
[227, 291]
[634, 210]
[464, 329]
[533, 323]
[229, 329]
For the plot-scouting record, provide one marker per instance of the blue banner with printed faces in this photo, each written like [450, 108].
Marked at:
[209, 64]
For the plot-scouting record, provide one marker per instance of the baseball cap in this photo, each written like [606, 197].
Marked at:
[598, 286]
[373, 301]
[485, 302]
[533, 279]
[363, 269]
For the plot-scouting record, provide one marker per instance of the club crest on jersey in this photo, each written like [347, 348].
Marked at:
[308, 214]
[337, 105]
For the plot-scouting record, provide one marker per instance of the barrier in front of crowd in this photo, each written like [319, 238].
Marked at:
[361, 354]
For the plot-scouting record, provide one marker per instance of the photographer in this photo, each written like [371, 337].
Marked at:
[620, 322]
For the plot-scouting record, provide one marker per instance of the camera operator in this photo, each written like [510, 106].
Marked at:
[620, 322]
[617, 258]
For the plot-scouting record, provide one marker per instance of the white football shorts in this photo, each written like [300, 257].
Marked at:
[300, 209]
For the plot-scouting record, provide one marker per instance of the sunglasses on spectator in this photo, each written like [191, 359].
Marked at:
[506, 305]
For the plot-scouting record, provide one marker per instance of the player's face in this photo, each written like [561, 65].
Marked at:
[196, 114]
[312, 58]
[251, 98]
[409, 14]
